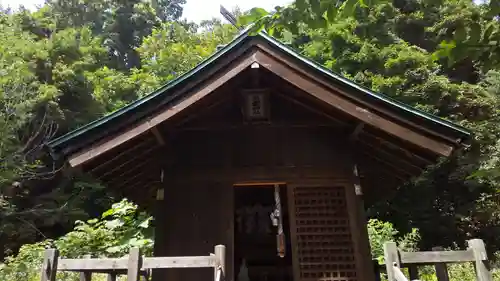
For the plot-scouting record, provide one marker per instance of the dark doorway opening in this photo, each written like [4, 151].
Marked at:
[256, 255]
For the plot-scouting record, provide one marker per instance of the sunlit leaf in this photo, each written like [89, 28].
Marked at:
[301, 4]
[112, 224]
[490, 27]
[316, 7]
[460, 34]
[332, 13]
[474, 33]
[348, 7]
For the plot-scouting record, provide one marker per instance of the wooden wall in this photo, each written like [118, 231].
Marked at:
[197, 212]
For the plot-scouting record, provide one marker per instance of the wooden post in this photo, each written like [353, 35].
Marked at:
[220, 257]
[376, 270]
[391, 259]
[111, 276]
[86, 275]
[441, 268]
[49, 266]
[134, 264]
[481, 260]
[413, 272]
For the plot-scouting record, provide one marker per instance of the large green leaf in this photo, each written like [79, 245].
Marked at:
[252, 16]
[348, 7]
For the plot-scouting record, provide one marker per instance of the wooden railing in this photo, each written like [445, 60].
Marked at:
[396, 259]
[134, 266]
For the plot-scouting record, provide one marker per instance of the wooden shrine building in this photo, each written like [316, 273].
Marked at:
[264, 151]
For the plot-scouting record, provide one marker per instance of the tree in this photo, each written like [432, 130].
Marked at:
[389, 46]
[464, 36]
[111, 234]
[56, 77]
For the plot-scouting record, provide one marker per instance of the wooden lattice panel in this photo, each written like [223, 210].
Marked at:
[324, 244]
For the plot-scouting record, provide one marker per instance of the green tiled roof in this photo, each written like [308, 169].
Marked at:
[142, 107]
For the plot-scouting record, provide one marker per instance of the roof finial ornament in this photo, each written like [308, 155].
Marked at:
[229, 17]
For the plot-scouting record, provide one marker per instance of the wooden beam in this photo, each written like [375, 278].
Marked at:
[264, 47]
[310, 108]
[431, 257]
[397, 160]
[158, 136]
[360, 112]
[131, 160]
[129, 180]
[374, 166]
[131, 170]
[227, 127]
[207, 88]
[357, 130]
[394, 147]
[204, 110]
[133, 149]
[388, 164]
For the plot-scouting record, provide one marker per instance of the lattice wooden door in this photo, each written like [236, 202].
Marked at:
[324, 248]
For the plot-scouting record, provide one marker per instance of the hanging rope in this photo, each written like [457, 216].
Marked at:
[278, 221]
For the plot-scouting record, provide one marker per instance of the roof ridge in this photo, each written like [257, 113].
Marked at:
[457, 131]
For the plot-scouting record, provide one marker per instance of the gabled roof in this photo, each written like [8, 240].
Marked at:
[171, 92]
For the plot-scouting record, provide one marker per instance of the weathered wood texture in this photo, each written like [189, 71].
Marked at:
[483, 272]
[325, 247]
[441, 268]
[86, 276]
[134, 266]
[395, 259]
[197, 216]
[215, 122]
[49, 265]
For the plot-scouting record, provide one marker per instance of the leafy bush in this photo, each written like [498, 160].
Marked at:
[111, 235]
[123, 227]
[380, 232]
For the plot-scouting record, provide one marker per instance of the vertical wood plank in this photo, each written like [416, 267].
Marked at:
[391, 259]
[359, 223]
[293, 231]
[49, 266]
[215, 267]
[134, 264]
[220, 256]
[441, 268]
[226, 214]
[111, 277]
[376, 270]
[160, 223]
[481, 260]
[413, 272]
[86, 276]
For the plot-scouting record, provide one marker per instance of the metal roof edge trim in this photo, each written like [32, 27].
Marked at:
[102, 120]
[244, 34]
[365, 90]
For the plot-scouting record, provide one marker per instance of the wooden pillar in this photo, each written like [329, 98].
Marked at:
[111, 277]
[441, 268]
[413, 272]
[49, 266]
[134, 265]
[220, 256]
[391, 257]
[481, 260]
[360, 220]
[159, 224]
[87, 275]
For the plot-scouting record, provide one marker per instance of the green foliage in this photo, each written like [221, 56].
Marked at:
[67, 64]
[113, 234]
[465, 29]
[70, 62]
[380, 232]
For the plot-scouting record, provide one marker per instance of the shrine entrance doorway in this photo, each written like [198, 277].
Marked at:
[262, 247]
